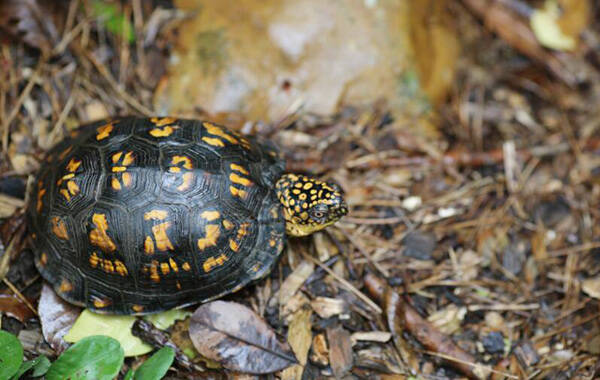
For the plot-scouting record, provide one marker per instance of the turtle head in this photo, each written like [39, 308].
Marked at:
[309, 205]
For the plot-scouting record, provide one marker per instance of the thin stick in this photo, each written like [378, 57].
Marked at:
[346, 284]
[20, 296]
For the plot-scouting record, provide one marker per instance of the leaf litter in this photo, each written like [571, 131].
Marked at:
[472, 175]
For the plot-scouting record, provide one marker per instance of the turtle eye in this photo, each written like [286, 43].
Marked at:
[319, 212]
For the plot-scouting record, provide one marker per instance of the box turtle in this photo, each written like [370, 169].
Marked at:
[136, 215]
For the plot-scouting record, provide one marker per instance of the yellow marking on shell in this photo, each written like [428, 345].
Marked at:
[212, 262]
[156, 215]
[211, 235]
[186, 266]
[126, 179]
[65, 193]
[313, 191]
[187, 163]
[107, 266]
[218, 131]
[243, 230]
[174, 169]
[159, 122]
[73, 165]
[162, 132]
[116, 157]
[227, 224]
[239, 168]
[118, 169]
[128, 159]
[116, 185]
[148, 245]
[120, 268]
[173, 265]
[210, 215]
[164, 268]
[154, 276]
[98, 235]
[64, 178]
[239, 180]
[233, 245]
[160, 236]
[104, 131]
[178, 285]
[237, 192]
[137, 308]
[100, 303]
[59, 228]
[94, 260]
[73, 188]
[272, 243]
[65, 286]
[43, 259]
[187, 181]
[256, 268]
[213, 141]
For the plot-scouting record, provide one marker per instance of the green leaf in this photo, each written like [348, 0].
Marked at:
[114, 20]
[11, 354]
[40, 366]
[166, 319]
[129, 374]
[156, 366]
[95, 357]
[115, 326]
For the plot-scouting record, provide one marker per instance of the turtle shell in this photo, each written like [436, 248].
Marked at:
[135, 215]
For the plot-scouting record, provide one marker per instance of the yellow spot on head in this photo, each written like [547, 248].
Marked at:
[272, 243]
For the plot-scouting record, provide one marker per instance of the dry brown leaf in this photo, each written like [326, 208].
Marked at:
[300, 338]
[237, 338]
[591, 286]
[320, 351]
[340, 351]
[328, 307]
[294, 281]
[57, 318]
[15, 308]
